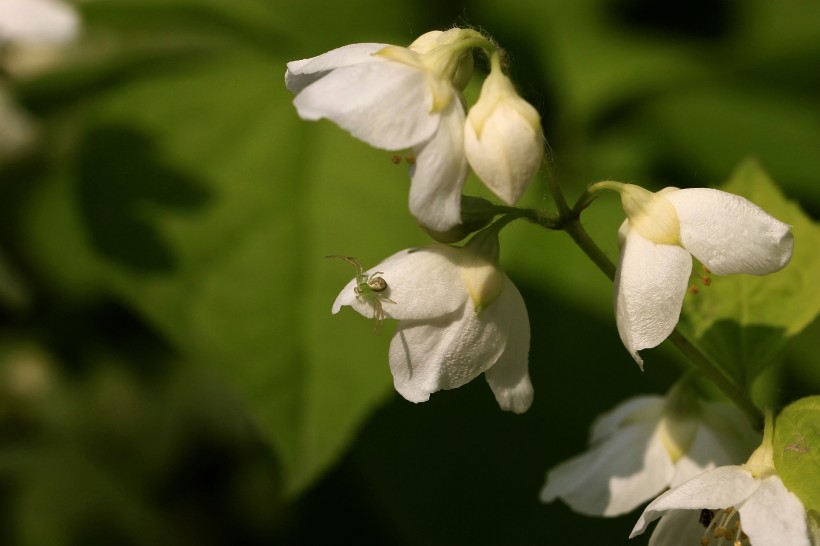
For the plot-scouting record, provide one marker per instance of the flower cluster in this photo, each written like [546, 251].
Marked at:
[734, 504]
[645, 445]
[397, 98]
[459, 315]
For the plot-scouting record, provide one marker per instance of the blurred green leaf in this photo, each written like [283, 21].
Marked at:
[201, 200]
[797, 449]
[712, 126]
[744, 321]
[593, 62]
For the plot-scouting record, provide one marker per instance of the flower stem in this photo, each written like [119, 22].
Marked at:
[575, 230]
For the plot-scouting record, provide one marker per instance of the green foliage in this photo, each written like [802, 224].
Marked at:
[797, 450]
[744, 321]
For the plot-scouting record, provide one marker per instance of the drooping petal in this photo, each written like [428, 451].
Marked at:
[678, 528]
[444, 353]
[629, 491]
[439, 173]
[386, 104]
[639, 408]
[422, 283]
[614, 476]
[302, 73]
[650, 283]
[717, 488]
[730, 234]
[774, 516]
[509, 377]
[348, 297]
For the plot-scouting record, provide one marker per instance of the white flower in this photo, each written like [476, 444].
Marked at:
[643, 446]
[396, 98]
[726, 232]
[459, 315]
[745, 503]
[503, 137]
[37, 21]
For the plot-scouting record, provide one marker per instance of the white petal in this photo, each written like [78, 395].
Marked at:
[774, 516]
[439, 173]
[509, 377]
[730, 234]
[422, 283]
[650, 408]
[614, 476]
[678, 528]
[384, 103]
[650, 283]
[302, 73]
[445, 353]
[348, 297]
[37, 21]
[629, 491]
[717, 488]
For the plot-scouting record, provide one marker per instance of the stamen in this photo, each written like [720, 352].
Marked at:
[723, 526]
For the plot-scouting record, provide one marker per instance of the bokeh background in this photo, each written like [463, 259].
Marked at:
[170, 372]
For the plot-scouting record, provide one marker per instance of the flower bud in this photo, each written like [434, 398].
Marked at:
[503, 139]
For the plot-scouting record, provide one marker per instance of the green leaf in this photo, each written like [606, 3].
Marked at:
[797, 450]
[201, 200]
[744, 321]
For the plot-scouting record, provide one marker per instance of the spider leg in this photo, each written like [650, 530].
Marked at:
[378, 316]
[355, 263]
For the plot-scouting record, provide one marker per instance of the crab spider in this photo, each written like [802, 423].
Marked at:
[369, 288]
